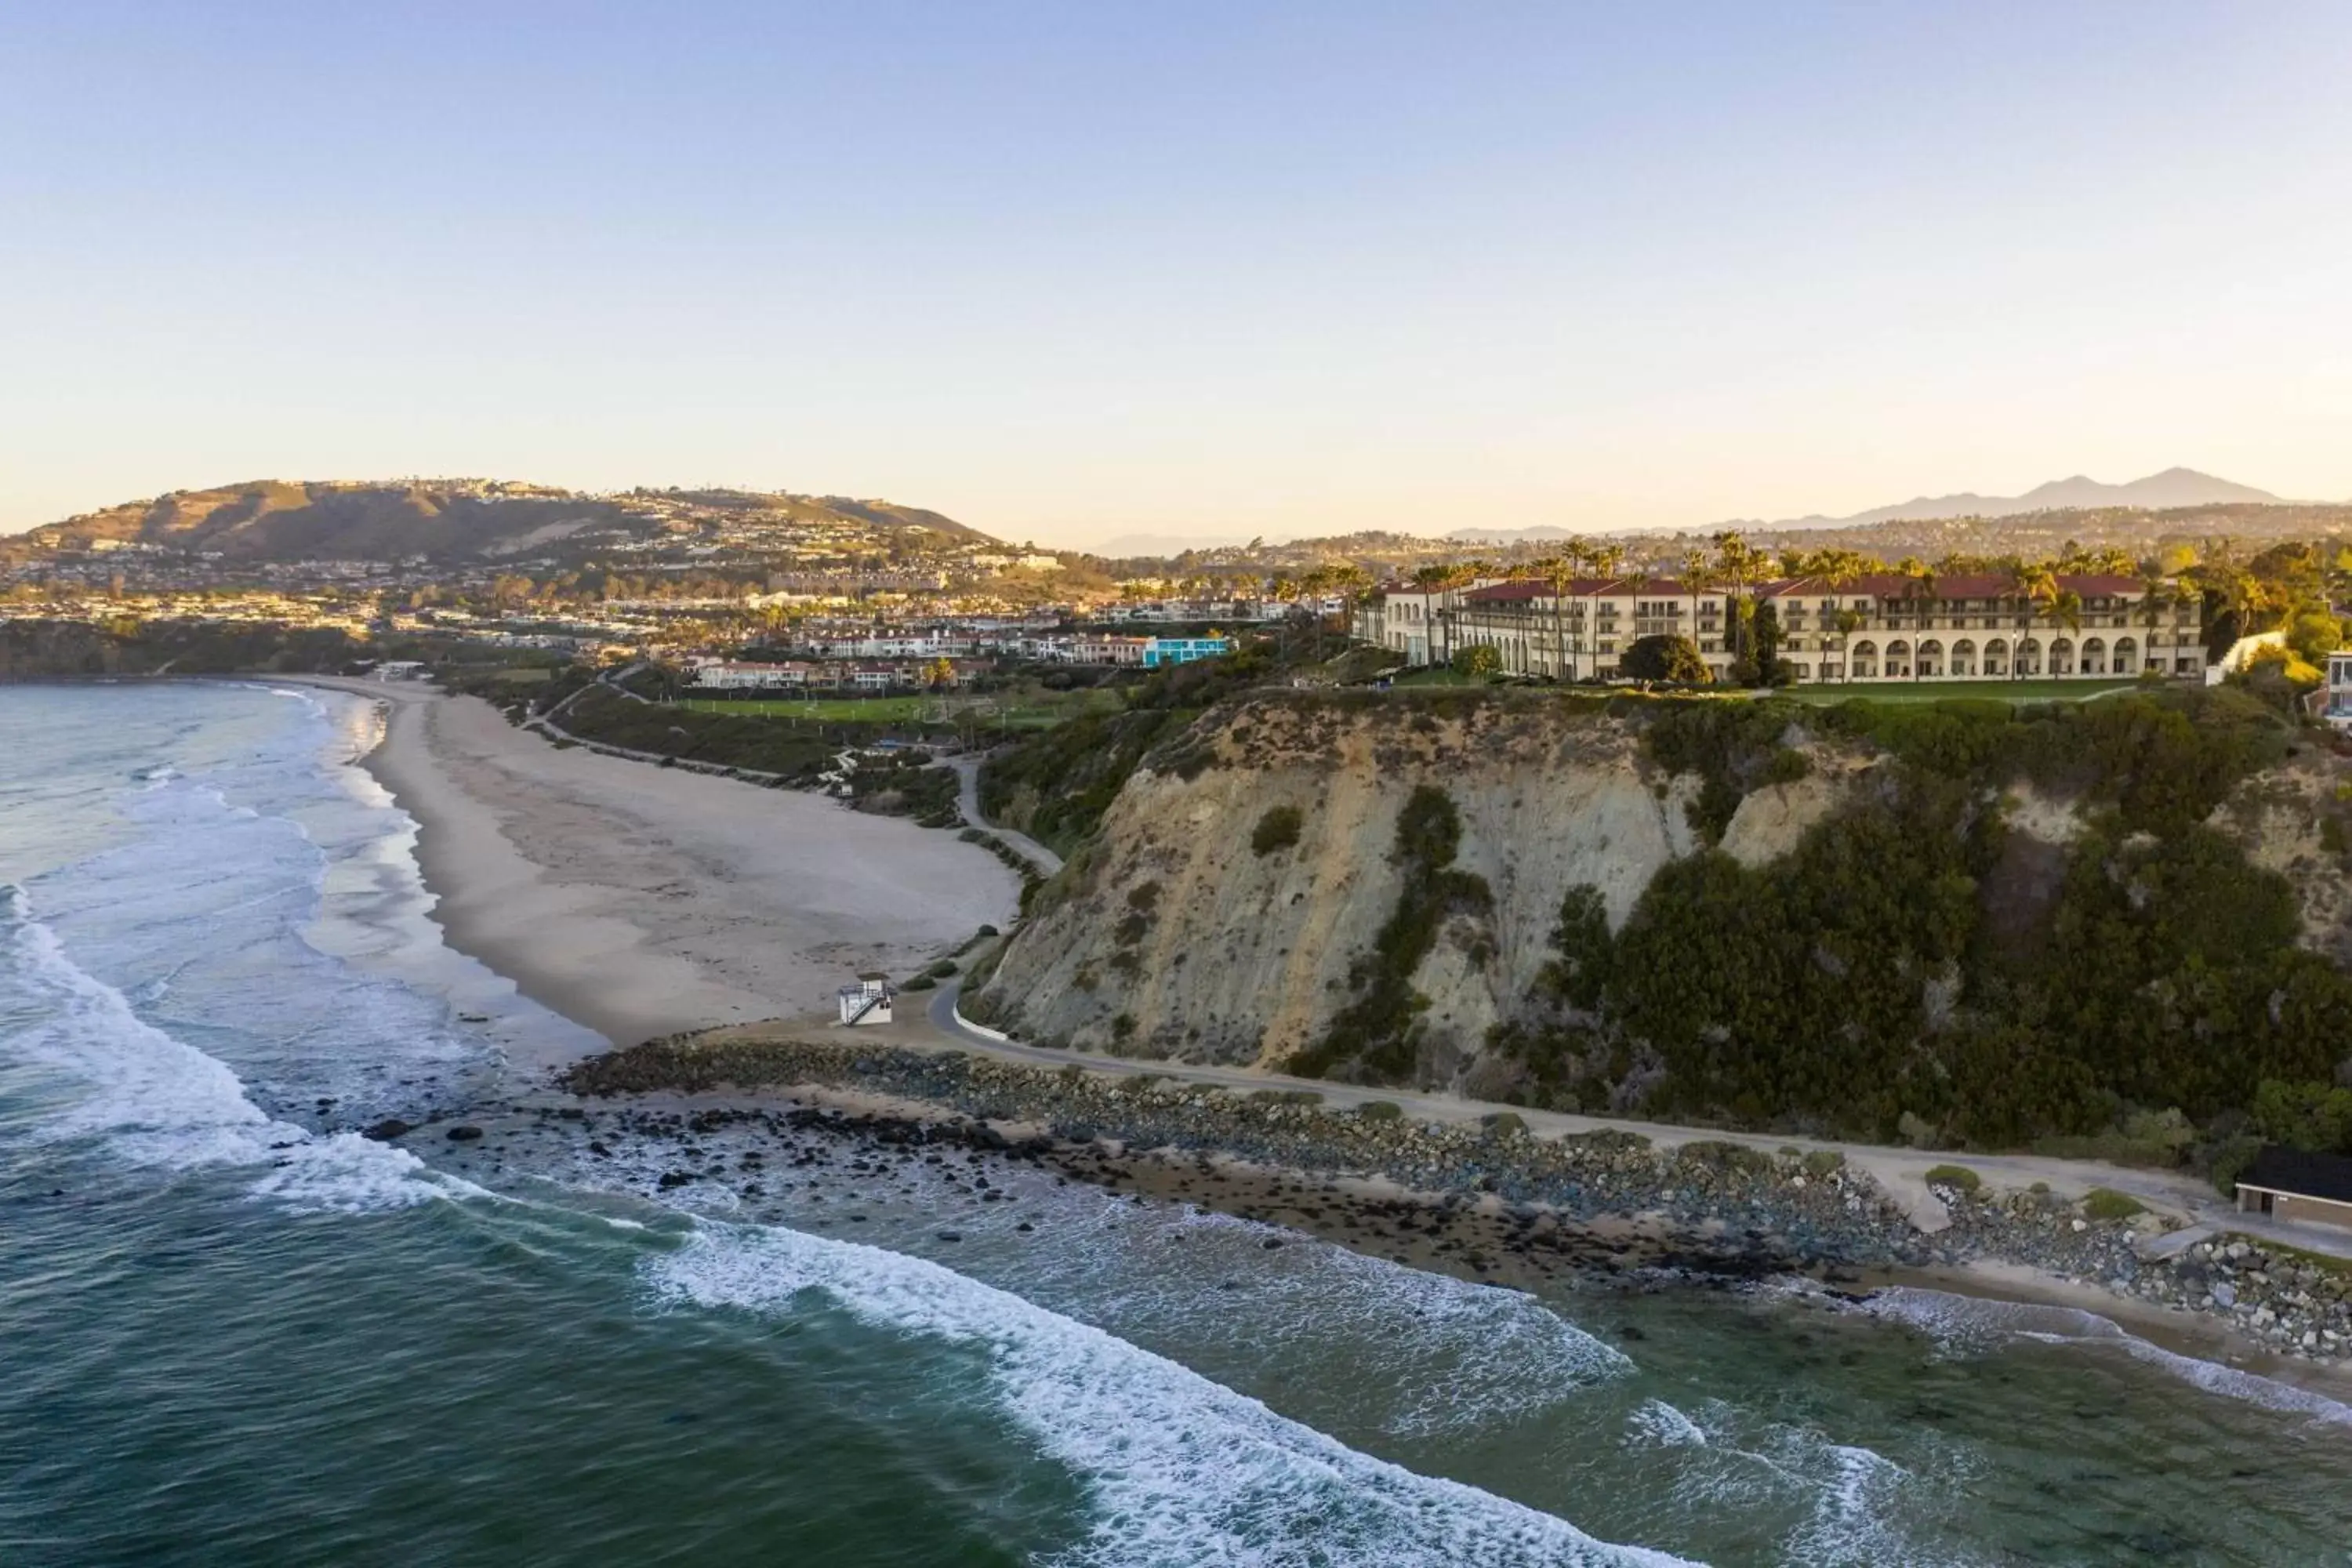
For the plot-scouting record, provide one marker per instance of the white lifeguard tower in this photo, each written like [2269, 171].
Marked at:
[868, 1001]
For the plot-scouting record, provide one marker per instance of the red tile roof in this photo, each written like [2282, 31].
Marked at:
[1873, 585]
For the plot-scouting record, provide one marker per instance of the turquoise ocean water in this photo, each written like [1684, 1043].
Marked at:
[232, 1331]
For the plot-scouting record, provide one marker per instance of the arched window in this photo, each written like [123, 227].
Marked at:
[2094, 656]
[2061, 658]
[1898, 660]
[1863, 658]
[2029, 658]
[2127, 660]
[1996, 657]
[1931, 658]
[1964, 657]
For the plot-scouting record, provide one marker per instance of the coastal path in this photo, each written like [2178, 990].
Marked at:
[968, 801]
[1902, 1172]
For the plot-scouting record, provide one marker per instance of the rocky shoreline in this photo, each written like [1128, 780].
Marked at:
[1606, 1201]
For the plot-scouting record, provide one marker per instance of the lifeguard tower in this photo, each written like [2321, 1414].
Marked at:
[868, 1001]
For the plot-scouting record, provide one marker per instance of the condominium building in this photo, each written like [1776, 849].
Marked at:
[1882, 627]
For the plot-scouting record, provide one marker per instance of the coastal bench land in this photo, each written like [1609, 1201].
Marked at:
[2287, 1183]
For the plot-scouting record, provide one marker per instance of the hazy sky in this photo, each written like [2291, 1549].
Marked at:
[1070, 271]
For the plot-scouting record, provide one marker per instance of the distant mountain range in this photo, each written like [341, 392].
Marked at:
[2158, 492]
[455, 520]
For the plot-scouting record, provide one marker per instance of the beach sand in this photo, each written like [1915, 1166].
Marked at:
[640, 900]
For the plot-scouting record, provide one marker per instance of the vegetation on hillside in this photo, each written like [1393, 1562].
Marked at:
[902, 783]
[1373, 1036]
[1665, 655]
[32, 649]
[1917, 967]
[1055, 786]
[798, 753]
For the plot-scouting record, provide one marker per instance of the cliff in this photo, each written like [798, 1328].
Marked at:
[1221, 952]
[1764, 913]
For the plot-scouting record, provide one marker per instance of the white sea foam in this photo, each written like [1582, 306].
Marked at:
[1437, 1353]
[307, 699]
[1856, 1496]
[1182, 1471]
[157, 1101]
[1657, 1424]
[1970, 1324]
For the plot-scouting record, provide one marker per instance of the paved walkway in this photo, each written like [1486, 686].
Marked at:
[1902, 1172]
[968, 798]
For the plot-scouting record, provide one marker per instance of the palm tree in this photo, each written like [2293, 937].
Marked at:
[1839, 569]
[1919, 593]
[1696, 573]
[1560, 572]
[2066, 609]
[1735, 559]
[2154, 595]
[1845, 623]
[2029, 582]
[1352, 584]
[2336, 572]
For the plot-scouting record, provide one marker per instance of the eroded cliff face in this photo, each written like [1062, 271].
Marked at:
[2291, 820]
[1172, 935]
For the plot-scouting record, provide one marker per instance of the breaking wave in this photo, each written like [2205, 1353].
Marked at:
[1441, 1354]
[156, 1101]
[1181, 1470]
[1969, 1324]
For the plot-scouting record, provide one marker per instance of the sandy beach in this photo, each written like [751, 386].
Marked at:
[640, 900]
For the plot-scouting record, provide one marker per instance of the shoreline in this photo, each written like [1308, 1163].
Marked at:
[1495, 1205]
[638, 901]
[478, 880]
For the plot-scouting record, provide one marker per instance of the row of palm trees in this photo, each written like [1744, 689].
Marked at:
[1731, 562]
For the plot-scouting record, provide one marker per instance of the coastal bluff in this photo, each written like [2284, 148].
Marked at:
[1955, 917]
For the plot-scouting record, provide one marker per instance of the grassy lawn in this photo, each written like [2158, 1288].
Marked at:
[830, 709]
[1020, 711]
[1936, 690]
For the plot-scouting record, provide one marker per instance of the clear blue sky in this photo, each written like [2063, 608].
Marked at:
[1073, 271]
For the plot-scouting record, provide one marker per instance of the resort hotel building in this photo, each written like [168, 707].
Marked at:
[1884, 626]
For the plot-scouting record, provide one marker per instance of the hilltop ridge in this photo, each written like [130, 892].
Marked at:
[467, 520]
[2173, 490]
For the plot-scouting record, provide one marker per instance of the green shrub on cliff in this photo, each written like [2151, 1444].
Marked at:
[1276, 830]
[1894, 966]
[2312, 1116]
[2163, 759]
[1375, 1032]
[1733, 747]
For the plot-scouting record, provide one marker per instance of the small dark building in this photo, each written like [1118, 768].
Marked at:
[2291, 1184]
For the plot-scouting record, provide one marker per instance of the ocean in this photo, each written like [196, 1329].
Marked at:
[234, 1331]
